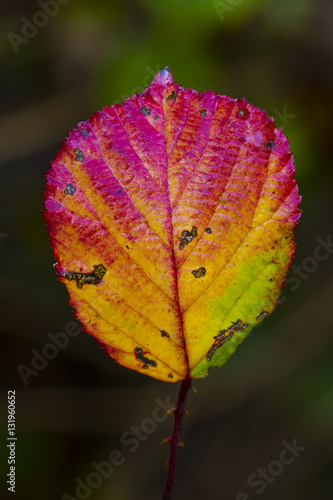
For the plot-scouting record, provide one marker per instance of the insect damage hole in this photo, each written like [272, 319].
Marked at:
[218, 344]
[261, 315]
[225, 335]
[93, 278]
[140, 357]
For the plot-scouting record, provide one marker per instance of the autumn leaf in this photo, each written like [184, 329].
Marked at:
[171, 218]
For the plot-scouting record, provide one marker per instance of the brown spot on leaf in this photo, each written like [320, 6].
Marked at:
[79, 156]
[199, 273]
[70, 189]
[93, 278]
[187, 237]
[172, 96]
[145, 111]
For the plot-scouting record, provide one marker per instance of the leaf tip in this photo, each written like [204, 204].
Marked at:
[164, 76]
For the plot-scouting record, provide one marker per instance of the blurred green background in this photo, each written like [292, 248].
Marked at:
[277, 54]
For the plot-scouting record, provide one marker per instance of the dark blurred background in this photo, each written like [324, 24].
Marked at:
[278, 387]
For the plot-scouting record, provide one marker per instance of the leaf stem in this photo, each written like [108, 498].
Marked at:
[174, 439]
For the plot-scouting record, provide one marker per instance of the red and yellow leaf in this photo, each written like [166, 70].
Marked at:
[171, 218]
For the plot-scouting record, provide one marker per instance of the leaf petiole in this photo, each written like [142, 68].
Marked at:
[174, 439]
